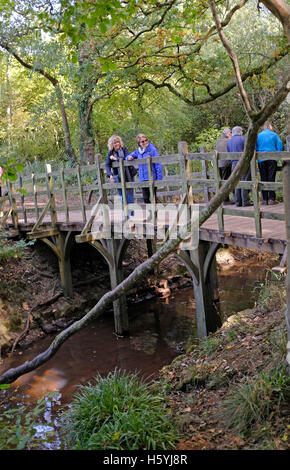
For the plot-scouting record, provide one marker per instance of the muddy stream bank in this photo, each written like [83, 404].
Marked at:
[160, 329]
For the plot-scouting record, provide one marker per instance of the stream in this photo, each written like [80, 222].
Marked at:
[160, 329]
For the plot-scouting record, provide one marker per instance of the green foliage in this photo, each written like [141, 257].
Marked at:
[207, 138]
[272, 291]
[4, 386]
[118, 412]
[252, 402]
[13, 250]
[10, 169]
[19, 427]
[210, 344]
[94, 58]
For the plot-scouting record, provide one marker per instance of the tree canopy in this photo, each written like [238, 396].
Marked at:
[76, 72]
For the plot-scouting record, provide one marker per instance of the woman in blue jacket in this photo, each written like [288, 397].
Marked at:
[144, 150]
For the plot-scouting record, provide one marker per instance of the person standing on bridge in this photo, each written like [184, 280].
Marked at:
[236, 144]
[268, 141]
[117, 150]
[144, 150]
[225, 166]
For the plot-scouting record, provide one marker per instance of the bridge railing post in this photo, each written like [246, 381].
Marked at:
[13, 204]
[255, 195]
[49, 186]
[204, 164]
[216, 173]
[20, 183]
[79, 179]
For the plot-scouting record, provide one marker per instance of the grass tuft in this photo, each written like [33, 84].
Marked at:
[251, 403]
[119, 412]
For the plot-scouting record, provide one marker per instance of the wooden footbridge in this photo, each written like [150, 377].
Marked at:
[62, 207]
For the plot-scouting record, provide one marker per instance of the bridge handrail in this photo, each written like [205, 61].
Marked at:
[64, 183]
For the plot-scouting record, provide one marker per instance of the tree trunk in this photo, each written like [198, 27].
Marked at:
[86, 86]
[65, 126]
[87, 141]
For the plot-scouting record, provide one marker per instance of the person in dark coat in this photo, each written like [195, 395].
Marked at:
[116, 151]
[236, 144]
[225, 166]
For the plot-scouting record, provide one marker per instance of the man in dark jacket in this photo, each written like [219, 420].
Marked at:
[225, 166]
[237, 144]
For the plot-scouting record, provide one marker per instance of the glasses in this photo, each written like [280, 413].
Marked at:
[143, 141]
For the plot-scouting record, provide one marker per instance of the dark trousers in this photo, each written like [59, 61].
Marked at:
[225, 172]
[242, 195]
[267, 171]
[146, 195]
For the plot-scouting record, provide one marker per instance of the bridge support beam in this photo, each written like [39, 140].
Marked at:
[201, 264]
[113, 251]
[64, 245]
[61, 245]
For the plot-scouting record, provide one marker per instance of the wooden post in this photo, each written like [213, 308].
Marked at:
[151, 188]
[64, 195]
[117, 276]
[220, 211]
[202, 267]
[102, 191]
[49, 185]
[22, 198]
[64, 266]
[13, 204]
[186, 171]
[255, 194]
[123, 183]
[204, 291]
[34, 195]
[81, 193]
[204, 165]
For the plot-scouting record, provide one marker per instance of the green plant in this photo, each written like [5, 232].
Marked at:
[14, 250]
[119, 412]
[210, 344]
[19, 426]
[272, 290]
[278, 339]
[252, 402]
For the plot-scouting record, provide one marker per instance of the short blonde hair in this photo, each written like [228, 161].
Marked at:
[112, 139]
[139, 137]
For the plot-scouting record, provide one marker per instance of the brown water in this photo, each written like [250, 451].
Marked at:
[160, 329]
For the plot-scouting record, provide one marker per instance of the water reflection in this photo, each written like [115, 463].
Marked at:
[50, 380]
[160, 329]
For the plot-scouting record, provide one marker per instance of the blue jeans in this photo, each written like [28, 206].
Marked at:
[129, 193]
[242, 195]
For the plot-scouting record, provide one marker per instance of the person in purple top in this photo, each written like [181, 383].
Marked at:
[236, 144]
[268, 141]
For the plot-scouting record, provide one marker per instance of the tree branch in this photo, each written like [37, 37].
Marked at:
[213, 96]
[233, 58]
